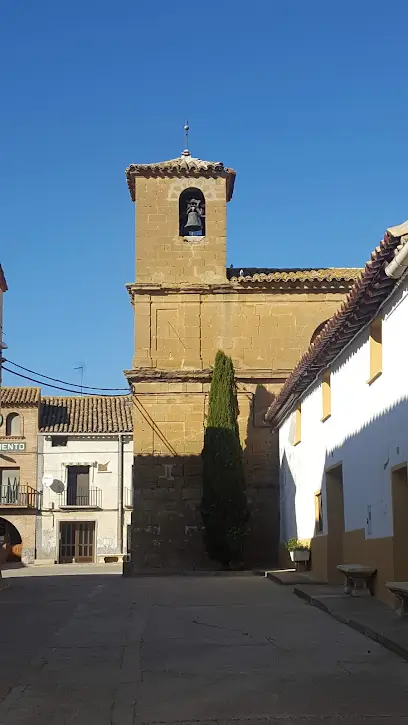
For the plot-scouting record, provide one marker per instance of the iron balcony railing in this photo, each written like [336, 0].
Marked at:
[18, 495]
[128, 498]
[92, 498]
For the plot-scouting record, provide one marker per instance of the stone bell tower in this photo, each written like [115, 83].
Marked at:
[168, 250]
[180, 254]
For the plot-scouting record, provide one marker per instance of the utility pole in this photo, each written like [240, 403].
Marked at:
[3, 346]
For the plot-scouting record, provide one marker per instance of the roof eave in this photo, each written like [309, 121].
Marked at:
[367, 295]
[3, 283]
[133, 171]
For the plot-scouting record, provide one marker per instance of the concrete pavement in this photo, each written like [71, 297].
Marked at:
[91, 647]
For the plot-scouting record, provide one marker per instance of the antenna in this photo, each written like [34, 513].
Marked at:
[81, 368]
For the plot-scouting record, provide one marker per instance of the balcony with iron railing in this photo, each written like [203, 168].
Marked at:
[128, 498]
[19, 496]
[88, 499]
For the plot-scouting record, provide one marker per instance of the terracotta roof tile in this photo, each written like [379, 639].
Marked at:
[360, 306]
[14, 397]
[294, 276]
[184, 166]
[87, 414]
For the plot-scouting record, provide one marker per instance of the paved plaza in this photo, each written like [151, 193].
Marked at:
[82, 645]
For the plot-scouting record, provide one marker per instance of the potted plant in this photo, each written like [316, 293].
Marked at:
[297, 550]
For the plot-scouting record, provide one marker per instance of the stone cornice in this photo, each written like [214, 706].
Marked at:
[317, 286]
[145, 375]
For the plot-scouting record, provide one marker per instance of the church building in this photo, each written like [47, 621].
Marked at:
[187, 305]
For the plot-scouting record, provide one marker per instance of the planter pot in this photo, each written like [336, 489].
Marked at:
[300, 555]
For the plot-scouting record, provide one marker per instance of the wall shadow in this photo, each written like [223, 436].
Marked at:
[167, 529]
[261, 465]
[367, 456]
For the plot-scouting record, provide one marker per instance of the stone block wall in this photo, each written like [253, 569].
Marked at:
[164, 256]
[169, 420]
[259, 329]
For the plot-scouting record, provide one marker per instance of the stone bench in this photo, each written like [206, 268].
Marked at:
[359, 579]
[400, 590]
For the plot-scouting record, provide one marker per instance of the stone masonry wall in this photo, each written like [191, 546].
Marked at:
[260, 330]
[167, 475]
[161, 254]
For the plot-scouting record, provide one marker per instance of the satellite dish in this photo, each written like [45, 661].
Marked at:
[47, 480]
[57, 486]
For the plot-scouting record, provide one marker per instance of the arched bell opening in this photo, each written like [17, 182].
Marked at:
[191, 213]
[10, 539]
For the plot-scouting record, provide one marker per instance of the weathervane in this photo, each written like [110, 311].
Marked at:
[186, 151]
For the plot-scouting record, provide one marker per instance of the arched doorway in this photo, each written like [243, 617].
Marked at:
[10, 535]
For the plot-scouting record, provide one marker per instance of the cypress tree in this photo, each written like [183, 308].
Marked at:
[223, 505]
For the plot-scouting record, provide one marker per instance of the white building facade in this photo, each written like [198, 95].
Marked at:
[343, 422]
[85, 452]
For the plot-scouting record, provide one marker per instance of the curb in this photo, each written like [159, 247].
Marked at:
[130, 573]
[276, 579]
[354, 624]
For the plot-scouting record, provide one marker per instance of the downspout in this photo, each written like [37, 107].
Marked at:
[120, 494]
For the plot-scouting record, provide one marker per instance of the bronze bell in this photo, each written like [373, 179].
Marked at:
[194, 223]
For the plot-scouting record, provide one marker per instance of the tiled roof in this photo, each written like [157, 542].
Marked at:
[3, 283]
[293, 277]
[14, 397]
[87, 414]
[184, 166]
[360, 306]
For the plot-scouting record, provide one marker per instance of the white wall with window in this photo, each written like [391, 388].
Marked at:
[86, 483]
[357, 418]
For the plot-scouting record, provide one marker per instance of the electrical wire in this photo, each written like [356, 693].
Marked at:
[58, 387]
[56, 380]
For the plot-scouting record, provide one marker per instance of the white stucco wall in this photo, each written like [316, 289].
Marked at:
[84, 451]
[367, 433]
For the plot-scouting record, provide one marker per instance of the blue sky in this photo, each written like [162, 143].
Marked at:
[306, 100]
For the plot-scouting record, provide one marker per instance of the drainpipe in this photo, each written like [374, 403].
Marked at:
[396, 268]
[120, 494]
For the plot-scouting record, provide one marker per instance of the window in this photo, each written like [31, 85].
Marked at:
[59, 441]
[326, 396]
[375, 349]
[10, 486]
[318, 513]
[78, 486]
[298, 426]
[191, 213]
[13, 425]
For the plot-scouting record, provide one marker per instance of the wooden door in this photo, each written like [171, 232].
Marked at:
[335, 523]
[77, 540]
[84, 542]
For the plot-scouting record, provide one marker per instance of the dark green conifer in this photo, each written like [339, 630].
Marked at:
[223, 505]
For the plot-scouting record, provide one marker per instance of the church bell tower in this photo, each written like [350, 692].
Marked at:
[180, 256]
[180, 220]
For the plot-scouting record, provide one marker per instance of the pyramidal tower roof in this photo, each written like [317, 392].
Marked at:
[184, 166]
